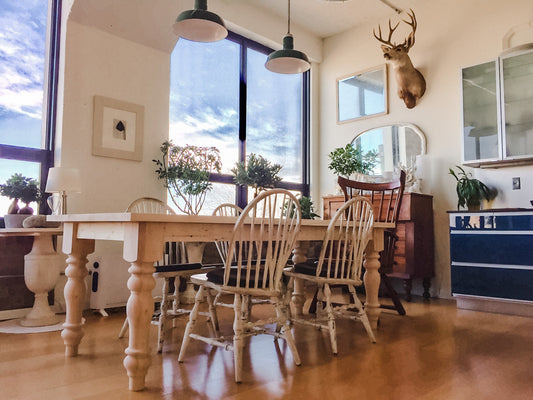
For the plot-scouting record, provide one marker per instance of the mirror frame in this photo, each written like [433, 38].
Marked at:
[413, 127]
[383, 68]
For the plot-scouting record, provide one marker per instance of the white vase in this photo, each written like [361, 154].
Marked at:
[15, 220]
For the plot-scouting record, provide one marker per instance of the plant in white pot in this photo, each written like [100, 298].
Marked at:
[19, 188]
[349, 160]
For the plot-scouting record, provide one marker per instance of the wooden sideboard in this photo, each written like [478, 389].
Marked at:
[414, 255]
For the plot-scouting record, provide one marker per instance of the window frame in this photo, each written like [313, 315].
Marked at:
[45, 155]
[242, 192]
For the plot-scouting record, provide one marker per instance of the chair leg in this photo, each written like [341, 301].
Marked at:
[162, 317]
[213, 318]
[192, 322]
[124, 328]
[238, 339]
[331, 319]
[398, 306]
[285, 329]
[361, 314]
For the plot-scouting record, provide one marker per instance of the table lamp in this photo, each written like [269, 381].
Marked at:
[62, 180]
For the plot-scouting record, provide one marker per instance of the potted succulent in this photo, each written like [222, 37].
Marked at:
[470, 191]
[185, 171]
[19, 187]
[257, 172]
[348, 160]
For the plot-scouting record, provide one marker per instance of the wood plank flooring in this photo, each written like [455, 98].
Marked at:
[434, 352]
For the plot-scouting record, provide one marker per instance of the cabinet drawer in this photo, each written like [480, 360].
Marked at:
[499, 282]
[491, 247]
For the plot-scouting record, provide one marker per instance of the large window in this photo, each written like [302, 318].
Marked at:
[222, 95]
[28, 77]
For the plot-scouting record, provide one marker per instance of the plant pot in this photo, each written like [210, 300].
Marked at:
[15, 220]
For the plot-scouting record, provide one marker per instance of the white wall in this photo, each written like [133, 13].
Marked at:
[121, 49]
[451, 34]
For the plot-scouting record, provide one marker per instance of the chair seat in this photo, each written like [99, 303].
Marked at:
[217, 276]
[177, 267]
[309, 268]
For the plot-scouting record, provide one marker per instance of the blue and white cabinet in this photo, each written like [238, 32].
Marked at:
[491, 253]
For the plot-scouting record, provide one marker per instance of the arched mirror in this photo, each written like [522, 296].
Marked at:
[396, 145]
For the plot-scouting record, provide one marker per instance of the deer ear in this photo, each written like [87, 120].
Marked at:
[385, 48]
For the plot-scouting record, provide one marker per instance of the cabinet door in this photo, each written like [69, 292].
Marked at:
[481, 139]
[517, 94]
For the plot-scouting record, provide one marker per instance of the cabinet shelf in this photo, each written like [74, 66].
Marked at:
[501, 115]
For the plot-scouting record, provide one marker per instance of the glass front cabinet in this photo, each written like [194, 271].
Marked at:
[498, 110]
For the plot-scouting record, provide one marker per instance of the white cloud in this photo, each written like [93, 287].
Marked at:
[21, 63]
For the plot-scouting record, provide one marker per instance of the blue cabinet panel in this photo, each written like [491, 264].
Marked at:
[512, 249]
[491, 254]
[502, 283]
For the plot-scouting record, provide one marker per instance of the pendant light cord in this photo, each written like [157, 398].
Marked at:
[289, 19]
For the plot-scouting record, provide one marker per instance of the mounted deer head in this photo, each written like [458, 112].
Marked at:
[411, 83]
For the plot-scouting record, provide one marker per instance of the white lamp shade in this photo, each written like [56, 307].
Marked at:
[62, 179]
[287, 65]
[200, 30]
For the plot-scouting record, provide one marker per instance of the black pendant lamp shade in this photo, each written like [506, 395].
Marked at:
[288, 60]
[200, 25]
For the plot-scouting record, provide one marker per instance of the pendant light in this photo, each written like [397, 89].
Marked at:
[200, 25]
[288, 60]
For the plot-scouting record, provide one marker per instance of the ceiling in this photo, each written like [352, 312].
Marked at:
[322, 18]
[329, 17]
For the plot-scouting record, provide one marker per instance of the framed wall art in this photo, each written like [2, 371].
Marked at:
[118, 128]
[362, 95]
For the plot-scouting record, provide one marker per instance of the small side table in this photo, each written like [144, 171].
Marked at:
[42, 267]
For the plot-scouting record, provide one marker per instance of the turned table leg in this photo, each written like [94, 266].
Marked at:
[372, 277]
[75, 272]
[298, 294]
[142, 247]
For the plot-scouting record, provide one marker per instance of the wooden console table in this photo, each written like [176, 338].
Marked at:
[414, 255]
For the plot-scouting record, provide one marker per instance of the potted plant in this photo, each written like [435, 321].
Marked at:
[19, 187]
[185, 171]
[257, 172]
[345, 161]
[306, 205]
[470, 191]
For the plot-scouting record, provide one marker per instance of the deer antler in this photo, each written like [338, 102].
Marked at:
[391, 30]
[410, 40]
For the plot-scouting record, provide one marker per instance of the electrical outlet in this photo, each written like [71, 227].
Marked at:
[516, 183]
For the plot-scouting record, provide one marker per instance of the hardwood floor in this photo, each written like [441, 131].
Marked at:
[434, 352]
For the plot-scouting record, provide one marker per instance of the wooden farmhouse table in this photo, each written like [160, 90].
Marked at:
[143, 236]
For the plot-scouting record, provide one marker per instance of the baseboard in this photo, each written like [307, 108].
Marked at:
[494, 305]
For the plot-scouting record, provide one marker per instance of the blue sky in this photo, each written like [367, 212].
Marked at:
[22, 49]
[204, 104]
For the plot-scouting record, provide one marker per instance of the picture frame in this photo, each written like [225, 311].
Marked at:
[118, 128]
[362, 95]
